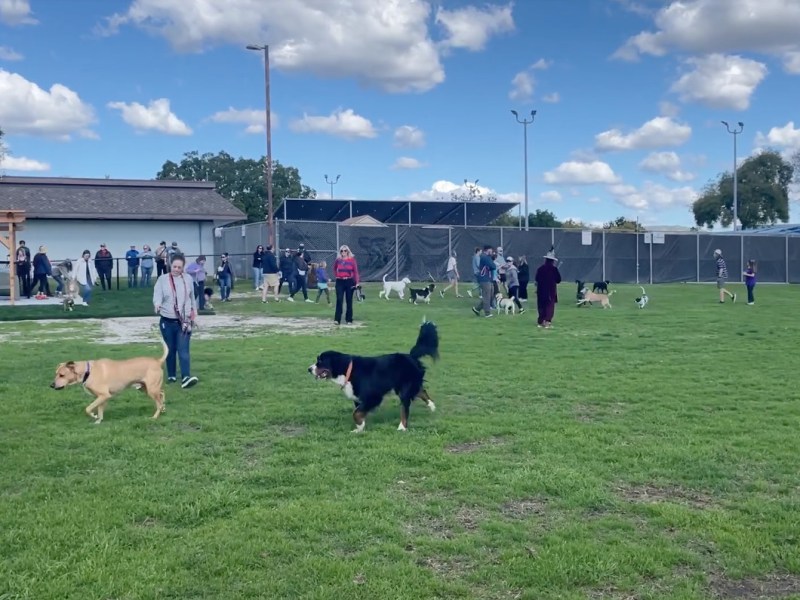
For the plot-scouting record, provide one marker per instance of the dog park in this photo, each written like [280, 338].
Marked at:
[625, 453]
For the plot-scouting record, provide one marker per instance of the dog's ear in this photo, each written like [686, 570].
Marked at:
[71, 366]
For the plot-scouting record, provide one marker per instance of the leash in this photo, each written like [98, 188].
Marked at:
[347, 374]
[87, 372]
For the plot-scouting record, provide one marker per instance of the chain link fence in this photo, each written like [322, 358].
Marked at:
[421, 252]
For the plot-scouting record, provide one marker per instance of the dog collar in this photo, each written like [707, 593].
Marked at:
[347, 374]
[87, 372]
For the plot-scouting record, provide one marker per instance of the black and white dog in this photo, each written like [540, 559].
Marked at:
[359, 293]
[367, 379]
[643, 299]
[422, 294]
[600, 287]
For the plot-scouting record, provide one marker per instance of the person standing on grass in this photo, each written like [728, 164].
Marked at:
[173, 300]
[524, 278]
[750, 281]
[197, 271]
[722, 277]
[86, 276]
[486, 273]
[345, 271]
[161, 259]
[272, 278]
[132, 258]
[146, 258]
[547, 279]
[225, 278]
[452, 276]
[322, 282]
[286, 264]
[104, 263]
[258, 267]
[476, 269]
[512, 281]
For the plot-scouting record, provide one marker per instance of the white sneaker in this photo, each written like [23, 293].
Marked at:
[309, 300]
[290, 299]
[469, 293]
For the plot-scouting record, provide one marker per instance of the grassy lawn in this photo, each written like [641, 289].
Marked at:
[624, 454]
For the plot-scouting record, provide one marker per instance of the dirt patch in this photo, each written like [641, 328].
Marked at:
[429, 526]
[469, 517]
[590, 413]
[651, 494]
[450, 568]
[522, 509]
[770, 587]
[467, 447]
[291, 430]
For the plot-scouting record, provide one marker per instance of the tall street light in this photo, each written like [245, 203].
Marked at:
[735, 132]
[268, 164]
[525, 123]
[332, 182]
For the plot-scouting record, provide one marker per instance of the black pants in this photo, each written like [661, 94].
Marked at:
[750, 296]
[513, 292]
[344, 292]
[523, 289]
[105, 276]
[41, 280]
[300, 284]
[161, 268]
[24, 277]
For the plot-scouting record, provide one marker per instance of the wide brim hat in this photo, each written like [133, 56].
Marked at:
[551, 255]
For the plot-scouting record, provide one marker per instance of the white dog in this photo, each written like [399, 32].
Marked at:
[643, 299]
[396, 286]
[506, 304]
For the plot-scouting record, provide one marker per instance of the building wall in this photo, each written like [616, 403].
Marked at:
[67, 239]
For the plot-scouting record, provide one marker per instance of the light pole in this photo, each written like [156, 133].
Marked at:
[268, 164]
[332, 182]
[735, 132]
[525, 123]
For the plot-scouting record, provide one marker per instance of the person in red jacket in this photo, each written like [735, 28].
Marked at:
[345, 271]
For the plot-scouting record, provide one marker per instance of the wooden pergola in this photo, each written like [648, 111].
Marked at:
[10, 222]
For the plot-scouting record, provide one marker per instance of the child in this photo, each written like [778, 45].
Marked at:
[750, 281]
[322, 282]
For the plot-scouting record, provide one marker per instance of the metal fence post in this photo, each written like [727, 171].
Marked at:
[636, 236]
[697, 256]
[651, 259]
[337, 239]
[449, 241]
[741, 257]
[603, 251]
[552, 236]
[787, 259]
[396, 252]
[501, 239]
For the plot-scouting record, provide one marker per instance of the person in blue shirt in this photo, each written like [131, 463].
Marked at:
[322, 282]
[486, 269]
[132, 257]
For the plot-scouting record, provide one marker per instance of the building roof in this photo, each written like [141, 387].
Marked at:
[400, 212]
[784, 229]
[114, 199]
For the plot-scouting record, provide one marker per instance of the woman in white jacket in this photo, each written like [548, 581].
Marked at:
[86, 275]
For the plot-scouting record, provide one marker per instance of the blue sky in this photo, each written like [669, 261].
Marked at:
[408, 98]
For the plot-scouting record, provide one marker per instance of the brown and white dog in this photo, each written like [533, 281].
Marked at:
[104, 378]
[589, 296]
[71, 295]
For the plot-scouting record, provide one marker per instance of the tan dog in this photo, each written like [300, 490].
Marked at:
[589, 296]
[104, 378]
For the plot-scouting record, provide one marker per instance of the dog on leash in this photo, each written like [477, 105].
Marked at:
[394, 286]
[71, 293]
[643, 299]
[505, 304]
[367, 379]
[104, 378]
[589, 296]
[421, 294]
[600, 287]
[358, 292]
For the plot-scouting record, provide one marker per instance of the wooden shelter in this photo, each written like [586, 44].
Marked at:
[10, 222]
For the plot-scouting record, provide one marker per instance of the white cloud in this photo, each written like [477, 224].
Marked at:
[550, 196]
[387, 45]
[21, 163]
[668, 109]
[553, 98]
[652, 196]
[16, 12]
[542, 64]
[783, 137]
[791, 62]
[9, 54]
[522, 87]
[719, 26]
[443, 190]
[581, 173]
[406, 162]
[343, 123]
[472, 27]
[408, 136]
[156, 116]
[28, 109]
[720, 82]
[656, 133]
[253, 119]
[665, 163]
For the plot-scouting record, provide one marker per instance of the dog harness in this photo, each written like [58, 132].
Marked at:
[347, 374]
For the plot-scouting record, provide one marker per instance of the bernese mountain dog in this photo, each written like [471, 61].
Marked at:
[367, 379]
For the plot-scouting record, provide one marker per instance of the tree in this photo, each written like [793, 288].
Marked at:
[763, 192]
[543, 218]
[240, 180]
[573, 224]
[623, 224]
[471, 193]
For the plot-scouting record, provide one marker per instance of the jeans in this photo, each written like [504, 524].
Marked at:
[200, 294]
[258, 277]
[40, 279]
[59, 282]
[224, 287]
[146, 273]
[750, 297]
[86, 293]
[344, 293]
[178, 343]
[133, 277]
[105, 276]
[300, 283]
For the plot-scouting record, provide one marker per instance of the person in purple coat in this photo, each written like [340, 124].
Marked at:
[547, 279]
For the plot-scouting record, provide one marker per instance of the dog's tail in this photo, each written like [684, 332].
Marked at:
[427, 342]
[643, 292]
[166, 351]
[384, 277]
[612, 292]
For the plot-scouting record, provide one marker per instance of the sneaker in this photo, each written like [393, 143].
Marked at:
[188, 382]
[476, 311]
[750, 303]
[309, 300]
[172, 379]
[290, 299]
[469, 293]
[734, 299]
[489, 316]
[522, 311]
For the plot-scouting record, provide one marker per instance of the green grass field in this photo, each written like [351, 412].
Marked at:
[624, 454]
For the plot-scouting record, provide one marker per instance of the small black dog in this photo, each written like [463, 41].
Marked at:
[600, 287]
[359, 293]
[423, 294]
